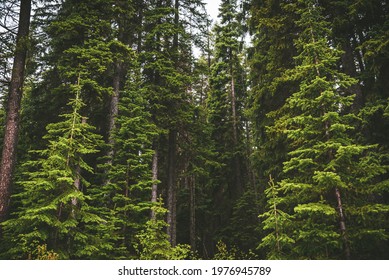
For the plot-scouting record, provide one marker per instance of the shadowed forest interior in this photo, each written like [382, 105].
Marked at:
[146, 130]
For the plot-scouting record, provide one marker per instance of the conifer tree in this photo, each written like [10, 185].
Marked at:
[166, 56]
[277, 242]
[273, 31]
[54, 209]
[125, 200]
[224, 106]
[327, 171]
[154, 242]
[8, 28]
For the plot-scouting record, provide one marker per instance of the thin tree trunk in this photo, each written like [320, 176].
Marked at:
[171, 184]
[237, 163]
[77, 179]
[171, 192]
[154, 187]
[8, 158]
[113, 112]
[348, 63]
[276, 222]
[342, 219]
[342, 224]
[116, 84]
[192, 202]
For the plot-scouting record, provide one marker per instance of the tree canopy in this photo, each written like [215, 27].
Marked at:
[146, 130]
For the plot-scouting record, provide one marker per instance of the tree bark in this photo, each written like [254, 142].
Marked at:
[237, 164]
[171, 184]
[8, 158]
[171, 192]
[114, 109]
[348, 63]
[342, 224]
[154, 187]
[117, 86]
[192, 202]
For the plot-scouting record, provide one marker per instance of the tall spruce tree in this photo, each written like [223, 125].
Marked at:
[54, 209]
[278, 243]
[224, 105]
[273, 30]
[125, 200]
[328, 171]
[166, 56]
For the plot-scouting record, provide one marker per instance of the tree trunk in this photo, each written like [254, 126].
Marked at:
[8, 158]
[348, 63]
[114, 109]
[171, 192]
[192, 202]
[237, 164]
[171, 184]
[342, 225]
[154, 187]
[116, 84]
[77, 179]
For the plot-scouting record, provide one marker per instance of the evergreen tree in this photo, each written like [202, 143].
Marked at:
[277, 242]
[54, 209]
[224, 105]
[273, 31]
[199, 132]
[328, 171]
[154, 243]
[125, 200]
[166, 56]
[7, 44]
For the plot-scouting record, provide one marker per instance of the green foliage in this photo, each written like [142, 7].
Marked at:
[124, 200]
[279, 241]
[40, 252]
[274, 30]
[223, 253]
[153, 240]
[54, 207]
[243, 229]
[313, 112]
[323, 157]
[225, 105]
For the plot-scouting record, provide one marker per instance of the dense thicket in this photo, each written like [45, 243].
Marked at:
[147, 132]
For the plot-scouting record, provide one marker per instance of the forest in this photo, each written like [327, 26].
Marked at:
[144, 129]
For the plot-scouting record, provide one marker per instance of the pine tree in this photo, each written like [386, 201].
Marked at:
[225, 113]
[277, 242]
[327, 171]
[154, 242]
[7, 44]
[125, 200]
[273, 31]
[54, 209]
[166, 56]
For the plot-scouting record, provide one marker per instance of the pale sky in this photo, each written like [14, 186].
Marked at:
[213, 8]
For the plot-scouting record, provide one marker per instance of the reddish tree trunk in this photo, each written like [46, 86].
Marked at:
[8, 158]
